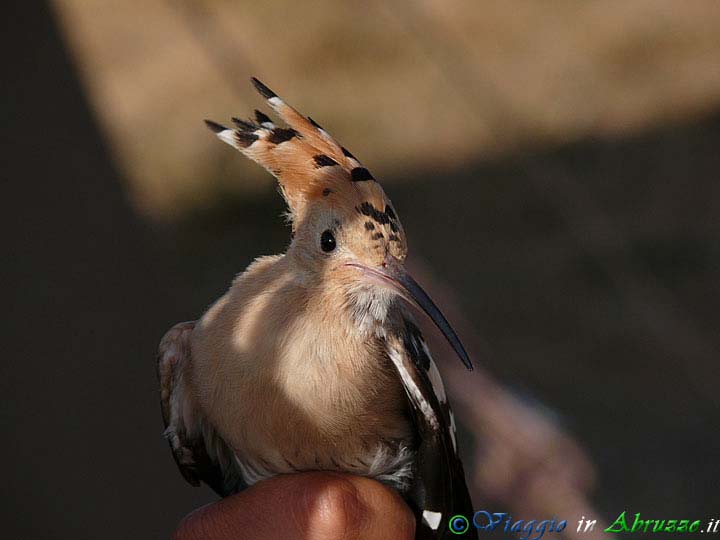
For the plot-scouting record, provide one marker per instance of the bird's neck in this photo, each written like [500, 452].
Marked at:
[339, 296]
[365, 308]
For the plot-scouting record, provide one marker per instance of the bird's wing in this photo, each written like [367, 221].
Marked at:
[199, 452]
[439, 489]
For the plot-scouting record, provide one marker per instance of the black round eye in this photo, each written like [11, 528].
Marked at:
[327, 241]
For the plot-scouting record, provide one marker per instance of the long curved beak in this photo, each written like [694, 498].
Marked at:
[394, 276]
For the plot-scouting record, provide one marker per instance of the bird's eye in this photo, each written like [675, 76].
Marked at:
[327, 241]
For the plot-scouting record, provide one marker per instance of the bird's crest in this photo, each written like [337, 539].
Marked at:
[308, 163]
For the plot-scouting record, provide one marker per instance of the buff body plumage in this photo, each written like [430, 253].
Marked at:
[311, 361]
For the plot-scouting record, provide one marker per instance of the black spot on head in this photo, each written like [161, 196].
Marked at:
[394, 238]
[393, 226]
[369, 226]
[327, 191]
[244, 138]
[369, 210]
[264, 90]
[347, 153]
[279, 135]
[321, 160]
[365, 208]
[262, 118]
[377, 236]
[390, 212]
[360, 174]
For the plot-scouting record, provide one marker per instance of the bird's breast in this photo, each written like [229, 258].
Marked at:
[297, 389]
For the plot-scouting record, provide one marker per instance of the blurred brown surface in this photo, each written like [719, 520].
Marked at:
[408, 86]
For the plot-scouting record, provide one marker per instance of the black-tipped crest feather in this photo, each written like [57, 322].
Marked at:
[244, 124]
[245, 138]
[264, 90]
[262, 118]
[214, 126]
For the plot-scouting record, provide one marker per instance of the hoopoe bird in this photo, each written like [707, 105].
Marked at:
[311, 361]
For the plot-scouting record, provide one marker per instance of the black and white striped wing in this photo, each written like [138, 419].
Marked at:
[439, 489]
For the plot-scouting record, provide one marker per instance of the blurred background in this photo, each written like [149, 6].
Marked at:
[567, 153]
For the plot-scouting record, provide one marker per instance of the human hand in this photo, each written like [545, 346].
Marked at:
[304, 506]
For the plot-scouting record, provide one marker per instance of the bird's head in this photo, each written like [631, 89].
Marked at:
[346, 232]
